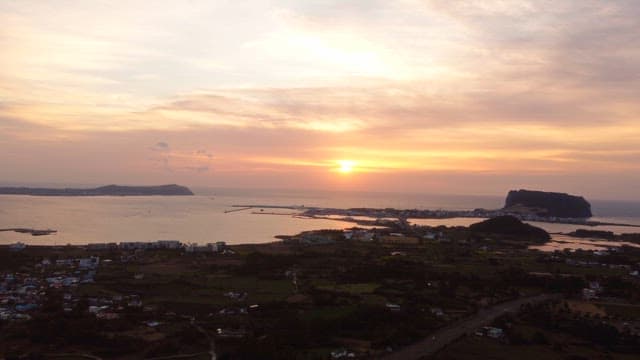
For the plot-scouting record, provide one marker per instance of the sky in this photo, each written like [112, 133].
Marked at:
[434, 96]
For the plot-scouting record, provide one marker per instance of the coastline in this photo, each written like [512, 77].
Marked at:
[201, 219]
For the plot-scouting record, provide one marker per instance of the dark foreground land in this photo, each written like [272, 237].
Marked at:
[448, 293]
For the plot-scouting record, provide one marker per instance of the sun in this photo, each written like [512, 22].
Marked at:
[346, 166]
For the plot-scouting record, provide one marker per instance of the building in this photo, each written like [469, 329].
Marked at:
[589, 294]
[430, 236]
[134, 245]
[168, 244]
[494, 332]
[393, 307]
[102, 246]
[89, 263]
[209, 248]
[17, 246]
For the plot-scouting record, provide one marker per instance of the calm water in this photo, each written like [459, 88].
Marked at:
[201, 218]
[561, 242]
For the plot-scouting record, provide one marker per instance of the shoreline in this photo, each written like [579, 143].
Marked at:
[404, 214]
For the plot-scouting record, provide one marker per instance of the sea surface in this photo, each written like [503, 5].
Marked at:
[202, 218]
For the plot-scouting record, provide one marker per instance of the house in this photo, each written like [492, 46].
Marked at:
[342, 353]
[495, 333]
[64, 262]
[589, 294]
[231, 333]
[430, 235]
[169, 244]
[238, 296]
[358, 235]
[134, 245]
[89, 263]
[26, 307]
[213, 247]
[97, 309]
[393, 307]
[595, 286]
[209, 248]
[17, 246]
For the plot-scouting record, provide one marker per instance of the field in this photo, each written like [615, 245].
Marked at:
[304, 301]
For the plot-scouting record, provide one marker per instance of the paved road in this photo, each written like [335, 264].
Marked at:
[212, 344]
[443, 337]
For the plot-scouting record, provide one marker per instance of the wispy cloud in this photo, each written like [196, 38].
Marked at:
[205, 91]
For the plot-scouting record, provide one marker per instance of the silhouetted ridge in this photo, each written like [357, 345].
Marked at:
[510, 226]
[109, 190]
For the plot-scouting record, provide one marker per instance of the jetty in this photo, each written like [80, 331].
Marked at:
[300, 208]
[236, 210]
[33, 232]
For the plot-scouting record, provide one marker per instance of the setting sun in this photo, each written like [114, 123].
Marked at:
[346, 166]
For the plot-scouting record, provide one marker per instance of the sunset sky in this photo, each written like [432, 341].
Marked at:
[440, 96]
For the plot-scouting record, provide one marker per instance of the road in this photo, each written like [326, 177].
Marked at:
[212, 344]
[443, 337]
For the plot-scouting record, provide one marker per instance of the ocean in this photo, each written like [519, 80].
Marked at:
[202, 218]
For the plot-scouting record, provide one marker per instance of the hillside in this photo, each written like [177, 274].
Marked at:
[511, 227]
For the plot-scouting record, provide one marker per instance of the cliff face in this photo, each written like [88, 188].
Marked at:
[109, 190]
[549, 203]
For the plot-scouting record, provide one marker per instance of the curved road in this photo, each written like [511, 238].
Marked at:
[443, 337]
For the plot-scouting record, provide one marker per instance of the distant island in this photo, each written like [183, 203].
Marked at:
[33, 232]
[543, 203]
[109, 190]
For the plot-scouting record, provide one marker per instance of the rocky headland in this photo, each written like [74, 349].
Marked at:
[550, 204]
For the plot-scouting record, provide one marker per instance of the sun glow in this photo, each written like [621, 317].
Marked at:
[346, 166]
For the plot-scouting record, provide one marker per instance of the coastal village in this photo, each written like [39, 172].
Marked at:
[24, 292]
[354, 293]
